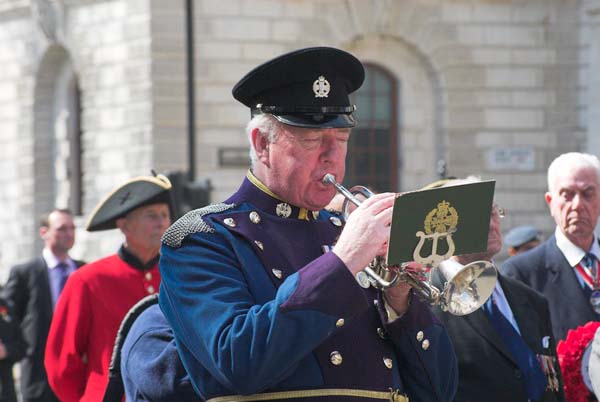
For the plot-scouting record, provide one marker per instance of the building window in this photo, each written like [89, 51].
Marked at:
[372, 150]
[68, 147]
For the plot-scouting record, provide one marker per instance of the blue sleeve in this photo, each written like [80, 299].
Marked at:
[150, 364]
[247, 337]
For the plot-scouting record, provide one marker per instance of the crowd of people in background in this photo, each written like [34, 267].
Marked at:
[244, 274]
[64, 316]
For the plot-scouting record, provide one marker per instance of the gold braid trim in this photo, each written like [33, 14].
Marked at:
[392, 395]
[302, 214]
[255, 180]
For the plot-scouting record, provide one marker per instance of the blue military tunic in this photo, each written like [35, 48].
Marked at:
[258, 304]
[150, 366]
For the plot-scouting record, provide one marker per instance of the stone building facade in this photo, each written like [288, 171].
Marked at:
[93, 92]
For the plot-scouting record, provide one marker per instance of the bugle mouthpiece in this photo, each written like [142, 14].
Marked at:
[328, 179]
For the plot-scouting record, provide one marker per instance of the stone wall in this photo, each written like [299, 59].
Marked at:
[493, 87]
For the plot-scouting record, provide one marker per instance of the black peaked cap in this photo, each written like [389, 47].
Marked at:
[304, 88]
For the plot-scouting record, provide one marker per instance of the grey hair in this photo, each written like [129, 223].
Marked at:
[571, 161]
[268, 126]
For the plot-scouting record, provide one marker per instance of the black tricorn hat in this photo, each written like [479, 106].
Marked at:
[135, 193]
[305, 88]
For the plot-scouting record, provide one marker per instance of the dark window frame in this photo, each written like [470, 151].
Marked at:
[370, 92]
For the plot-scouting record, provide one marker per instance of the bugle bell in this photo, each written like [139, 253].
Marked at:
[464, 289]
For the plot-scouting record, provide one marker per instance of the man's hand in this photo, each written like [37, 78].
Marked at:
[366, 233]
[398, 297]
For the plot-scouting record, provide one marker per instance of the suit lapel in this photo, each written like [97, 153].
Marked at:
[43, 283]
[523, 313]
[481, 324]
[566, 283]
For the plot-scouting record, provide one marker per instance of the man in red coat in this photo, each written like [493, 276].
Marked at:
[97, 296]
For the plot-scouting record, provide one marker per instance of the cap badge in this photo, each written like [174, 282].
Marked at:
[283, 210]
[321, 87]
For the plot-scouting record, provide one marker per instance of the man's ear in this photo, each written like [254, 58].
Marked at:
[261, 146]
[548, 198]
[122, 225]
[43, 231]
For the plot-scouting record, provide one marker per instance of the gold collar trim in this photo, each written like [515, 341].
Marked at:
[254, 180]
[302, 213]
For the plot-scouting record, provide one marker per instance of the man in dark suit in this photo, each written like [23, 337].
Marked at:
[32, 290]
[12, 349]
[565, 267]
[505, 349]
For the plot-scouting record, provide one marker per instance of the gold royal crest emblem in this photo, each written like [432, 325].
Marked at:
[442, 219]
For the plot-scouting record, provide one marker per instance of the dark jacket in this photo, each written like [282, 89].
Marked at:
[546, 270]
[27, 292]
[12, 338]
[487, 371]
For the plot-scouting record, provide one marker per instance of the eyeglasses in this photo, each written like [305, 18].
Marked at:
[498, 211]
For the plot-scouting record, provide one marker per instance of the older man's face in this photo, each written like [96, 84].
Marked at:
[299, 159]
[575, 204]
[144, 226]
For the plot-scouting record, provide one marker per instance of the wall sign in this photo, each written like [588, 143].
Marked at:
[519, 158]
[234, 157]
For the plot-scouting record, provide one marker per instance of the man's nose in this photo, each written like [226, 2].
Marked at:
[331, 149]
[577, 201]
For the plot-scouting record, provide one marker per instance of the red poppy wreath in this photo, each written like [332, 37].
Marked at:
[570, 353]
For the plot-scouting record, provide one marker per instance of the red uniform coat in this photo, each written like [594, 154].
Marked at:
[85, 324]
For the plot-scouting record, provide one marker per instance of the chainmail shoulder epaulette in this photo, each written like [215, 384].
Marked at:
[190, 223]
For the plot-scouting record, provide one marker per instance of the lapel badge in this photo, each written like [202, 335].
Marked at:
[336, 221]
[277, 272]
[321, 87]
[283, 210]
[259, 244]
[254, 217]
[229, 222]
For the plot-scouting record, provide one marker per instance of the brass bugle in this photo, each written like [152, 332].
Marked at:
[378, 273]
[465, 288]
